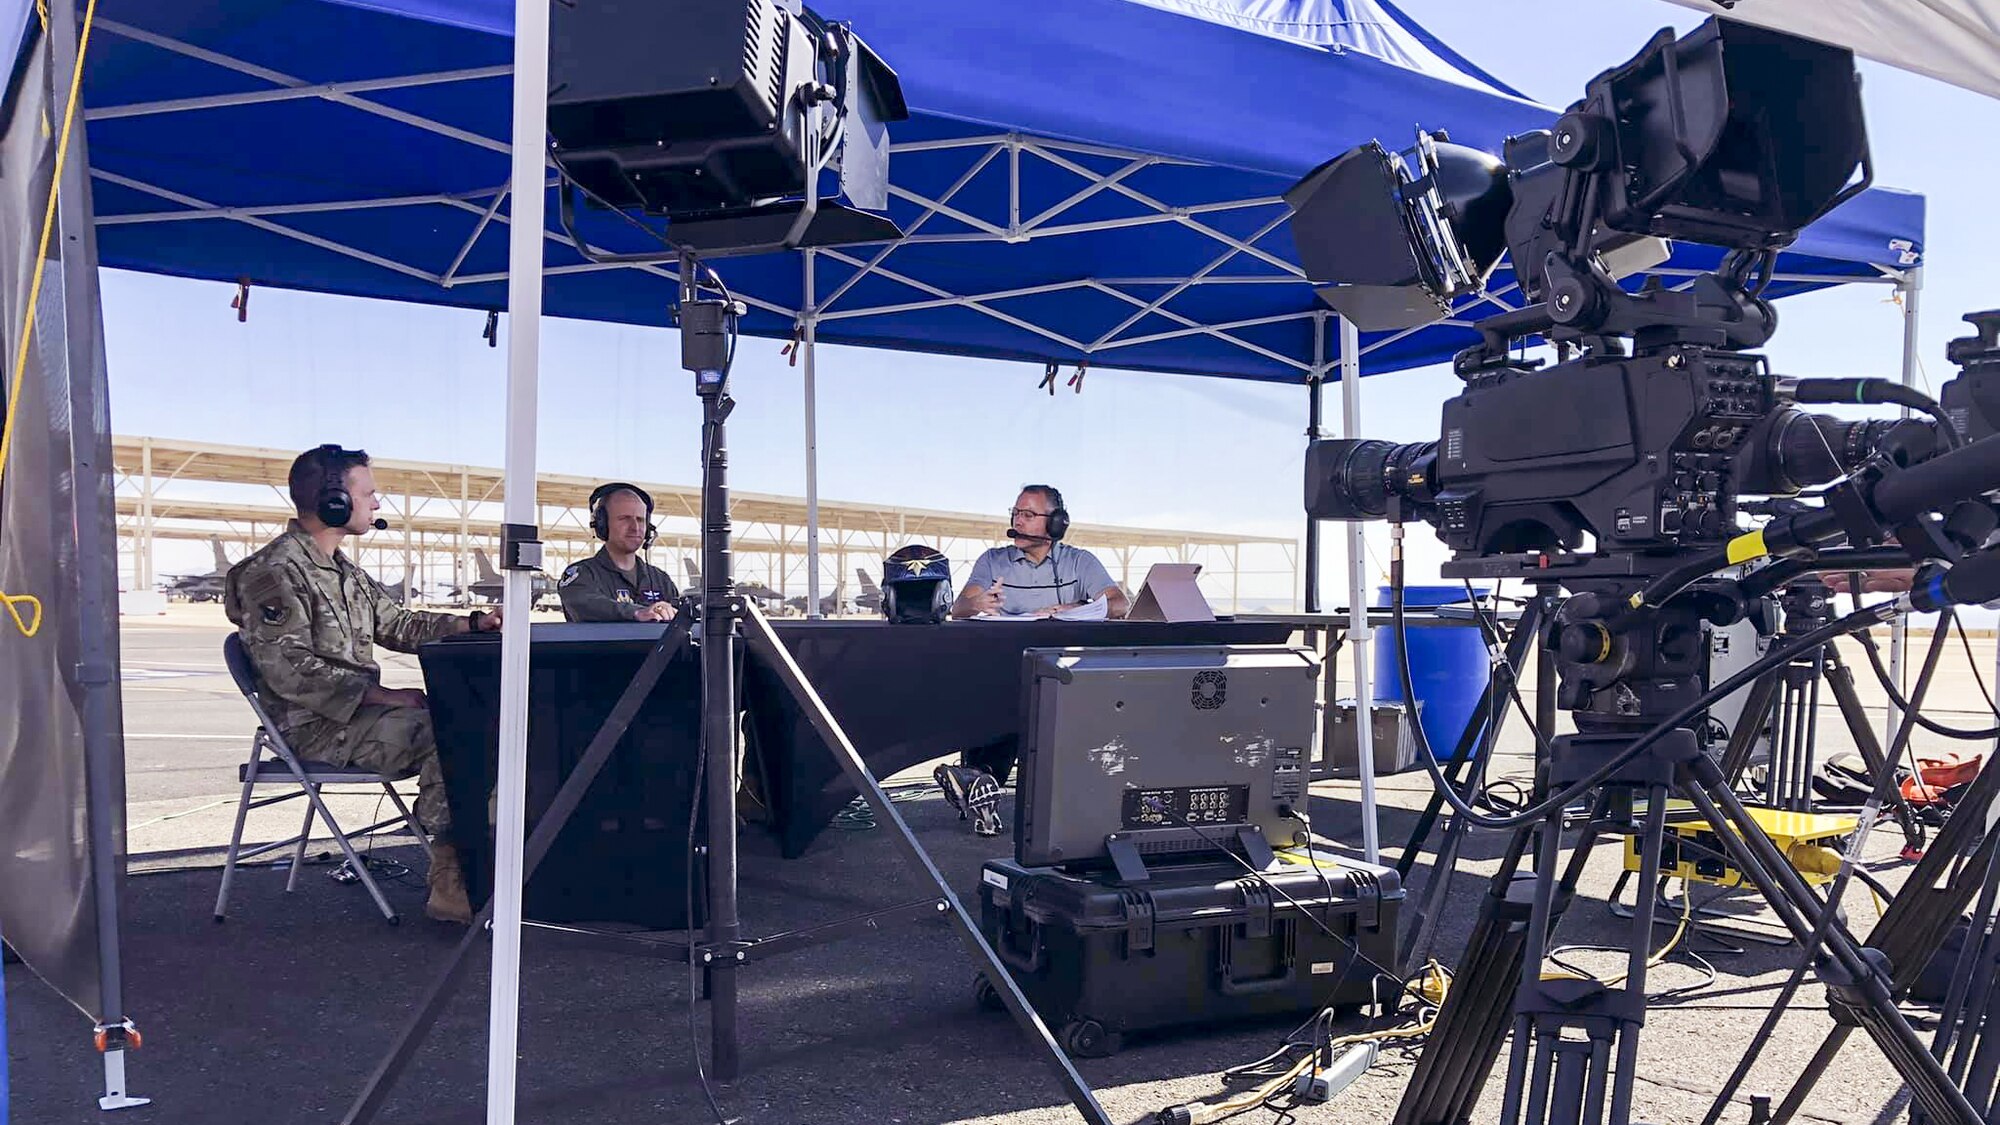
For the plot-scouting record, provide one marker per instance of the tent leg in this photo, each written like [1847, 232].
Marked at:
[115, 1096]
[809, 321]
[1909, 288]
[1313, 404]
[1357, 601]
[524, 337]
[94, 519]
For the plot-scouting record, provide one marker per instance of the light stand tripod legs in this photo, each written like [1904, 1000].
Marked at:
[766, 645]
[551, 822]
[1485, 722]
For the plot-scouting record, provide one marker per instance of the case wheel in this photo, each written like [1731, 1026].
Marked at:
[1088, 1039]
[985, 995]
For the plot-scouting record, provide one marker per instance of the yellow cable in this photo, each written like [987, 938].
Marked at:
[14, 602]
[1436, 983]
[1687, 910]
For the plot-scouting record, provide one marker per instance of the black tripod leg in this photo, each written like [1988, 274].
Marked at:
[1476, 742]
[1971, 979]
[1920, 916]
[1840, 678]
[1856, 979]
[1749, 725]
[765, 643]
[1464, 1043]
[1436, 890]
[1462, 1048]
[567, 798]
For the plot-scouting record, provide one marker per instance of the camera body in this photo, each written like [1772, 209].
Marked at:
[1636, 446]
[1972, 399]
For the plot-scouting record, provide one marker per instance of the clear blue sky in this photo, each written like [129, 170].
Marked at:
[413, 382]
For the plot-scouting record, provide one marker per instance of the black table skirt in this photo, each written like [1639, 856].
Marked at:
[904, 694]
[908, 693]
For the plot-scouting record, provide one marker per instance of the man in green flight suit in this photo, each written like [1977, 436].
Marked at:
[615, 584]
[310, 619]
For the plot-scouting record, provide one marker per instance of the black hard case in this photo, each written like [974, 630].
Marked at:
[1201, 943]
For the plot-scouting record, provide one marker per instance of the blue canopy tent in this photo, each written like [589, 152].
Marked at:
[1083, 181]
[1091, 180]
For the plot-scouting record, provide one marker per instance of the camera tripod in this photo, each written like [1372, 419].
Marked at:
[1630, 676]
[1909, 934]
[1784, 703]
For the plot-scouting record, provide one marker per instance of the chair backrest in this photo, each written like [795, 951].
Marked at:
[240, 668]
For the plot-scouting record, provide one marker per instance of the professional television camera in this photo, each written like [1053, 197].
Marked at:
[1616, 474]
[1972, 399]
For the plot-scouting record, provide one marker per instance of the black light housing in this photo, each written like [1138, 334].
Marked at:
[722, 116]
[1733, 135]
[1397, 247]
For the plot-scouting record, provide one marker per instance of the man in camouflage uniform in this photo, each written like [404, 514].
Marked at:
[310, 619]
[615, 584]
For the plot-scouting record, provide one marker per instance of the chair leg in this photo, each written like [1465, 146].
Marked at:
[410, 819]
[235, 845]
[305, 834]
[354, 861]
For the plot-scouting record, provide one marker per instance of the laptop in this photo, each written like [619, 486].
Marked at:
[1170, 594]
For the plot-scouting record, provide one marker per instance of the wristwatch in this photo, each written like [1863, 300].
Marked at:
[472, 620]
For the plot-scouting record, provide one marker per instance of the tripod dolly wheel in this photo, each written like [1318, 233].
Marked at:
[1088, 1039]
[985, 995]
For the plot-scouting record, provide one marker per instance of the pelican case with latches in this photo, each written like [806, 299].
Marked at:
[1200, 943]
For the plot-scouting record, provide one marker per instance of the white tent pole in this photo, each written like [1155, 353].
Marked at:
[1358, 633]
[1909, 288]
[809, 321]
[524, 338]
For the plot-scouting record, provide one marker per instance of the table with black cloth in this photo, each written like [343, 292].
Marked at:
[908, 693]
[623, 855]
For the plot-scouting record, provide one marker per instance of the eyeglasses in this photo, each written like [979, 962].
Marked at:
[1017, 513]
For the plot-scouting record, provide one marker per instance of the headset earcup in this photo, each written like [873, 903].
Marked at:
[336, 507]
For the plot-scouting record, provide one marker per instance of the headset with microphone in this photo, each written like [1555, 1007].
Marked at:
[600, 518]
[1056, 524]
[335, 506]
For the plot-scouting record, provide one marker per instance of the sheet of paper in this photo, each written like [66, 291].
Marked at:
[1096, 610]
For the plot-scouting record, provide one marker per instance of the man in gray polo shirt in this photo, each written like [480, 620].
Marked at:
[1039, 574]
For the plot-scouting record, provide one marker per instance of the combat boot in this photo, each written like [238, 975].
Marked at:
[448, 902]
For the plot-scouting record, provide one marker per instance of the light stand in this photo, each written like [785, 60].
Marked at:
[707, 346]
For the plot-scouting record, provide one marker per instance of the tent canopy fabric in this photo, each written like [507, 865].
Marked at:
[1954, 41]
[1081, 180]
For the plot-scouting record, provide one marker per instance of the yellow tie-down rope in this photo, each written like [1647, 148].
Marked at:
[32, 623]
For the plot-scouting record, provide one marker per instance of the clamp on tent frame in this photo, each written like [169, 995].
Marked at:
[120, 1036]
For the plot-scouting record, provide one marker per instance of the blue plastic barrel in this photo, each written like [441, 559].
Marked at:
[1448, 666]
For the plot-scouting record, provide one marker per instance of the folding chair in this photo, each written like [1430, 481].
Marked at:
[285, 767]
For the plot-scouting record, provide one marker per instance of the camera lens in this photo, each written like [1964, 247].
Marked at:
[1351, 479]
